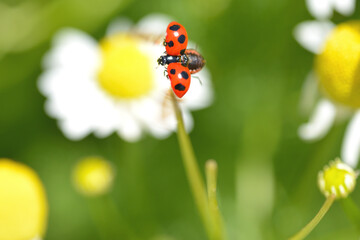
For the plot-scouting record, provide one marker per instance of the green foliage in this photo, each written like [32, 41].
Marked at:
[251, 129]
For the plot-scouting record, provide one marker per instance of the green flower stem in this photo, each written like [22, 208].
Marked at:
[107, 219]
[315, 221]
[192, 171]
[97, 219]
[118, 223]
[352, 211]
[211, 178]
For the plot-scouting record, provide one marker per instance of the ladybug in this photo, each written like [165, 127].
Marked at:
[180, 78]
[181, 62]
[176, 39]
[191, 59]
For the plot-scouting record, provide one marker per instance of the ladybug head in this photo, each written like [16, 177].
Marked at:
[162, 60]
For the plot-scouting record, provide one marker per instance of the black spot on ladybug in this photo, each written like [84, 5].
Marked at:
[170, 44]
[180, 87]
[184, 75]
[172, 71]
[182, 38]
[182, 51]
[174, 27]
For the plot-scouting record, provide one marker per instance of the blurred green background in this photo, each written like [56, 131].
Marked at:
[267, 175]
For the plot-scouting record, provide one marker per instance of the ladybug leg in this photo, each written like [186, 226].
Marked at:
[198, 79]
[165, 74]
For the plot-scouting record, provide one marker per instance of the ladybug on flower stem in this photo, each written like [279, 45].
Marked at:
[181, 61]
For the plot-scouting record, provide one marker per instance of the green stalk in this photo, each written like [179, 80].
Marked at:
[211, 178]
[107, 219]
[192, 171]
[315, 221]
[352, 211]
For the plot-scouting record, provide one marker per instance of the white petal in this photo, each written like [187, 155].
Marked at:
[129, 128]
[309, 93]
[312, 34]
[73, 49]
[153, 114]
[200, 94]
[351, 145]
[345, 7]
[119, 25]
[188, 120]
[320, 123]
[158, 116]
[76, 99]
[171, 122]
[75, 129]
[153, 24]
[192, 45]
[320, 9]
[105, 114]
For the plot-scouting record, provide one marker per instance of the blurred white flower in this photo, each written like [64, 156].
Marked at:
[115, 85]
[323, 9]
[336, 49]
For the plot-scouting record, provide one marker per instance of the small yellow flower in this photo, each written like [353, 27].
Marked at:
[337, 66]
[338, 179]
[23, 204]
[93, 176]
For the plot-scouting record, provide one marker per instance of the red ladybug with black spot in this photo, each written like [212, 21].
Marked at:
[183, 62]
[180, 78]
[176, 39]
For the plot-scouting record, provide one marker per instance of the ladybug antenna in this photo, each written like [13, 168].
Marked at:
[159, 39]
[198, 79]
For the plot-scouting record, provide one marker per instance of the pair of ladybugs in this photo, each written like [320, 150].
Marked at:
[181, 62]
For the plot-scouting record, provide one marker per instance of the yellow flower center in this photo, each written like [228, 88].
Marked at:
[126, 71]
[23, 205]
[93, 176]
[338, 66]
[338, 179]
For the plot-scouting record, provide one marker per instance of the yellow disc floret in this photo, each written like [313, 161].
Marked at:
[126, 71]
[23, 205]
[337, 179]
[93, 176]
[338, 66]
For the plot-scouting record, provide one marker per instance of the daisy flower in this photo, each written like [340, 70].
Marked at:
[115, 85]
[336, 74]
